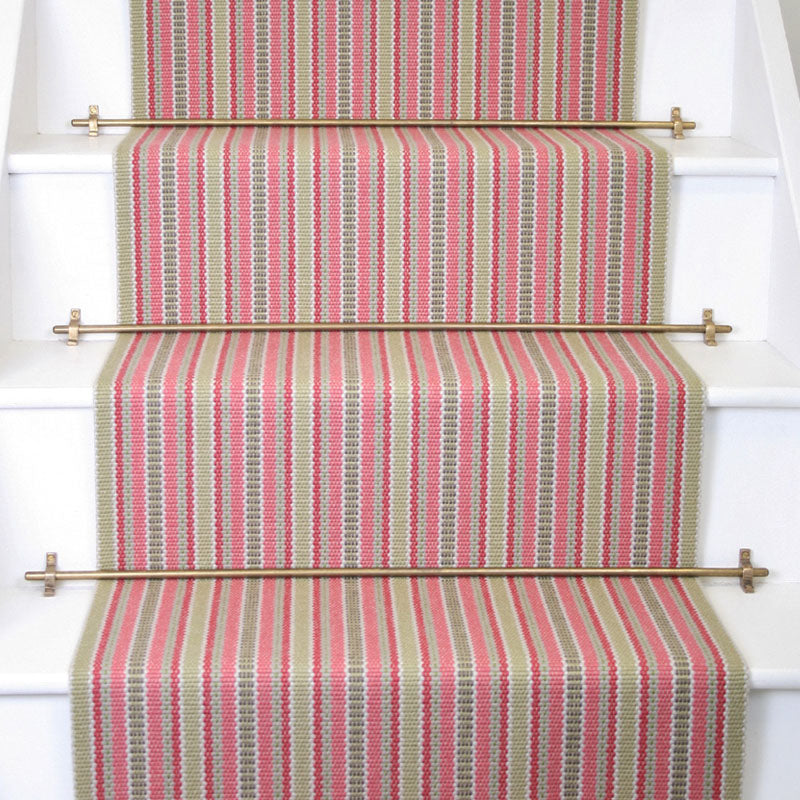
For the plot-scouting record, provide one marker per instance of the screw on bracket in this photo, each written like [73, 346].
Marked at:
[51, 564]
[677, 123]
[94, 115]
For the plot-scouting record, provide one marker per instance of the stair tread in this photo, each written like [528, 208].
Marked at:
[38, 635]
[73, 153]
[47, 374]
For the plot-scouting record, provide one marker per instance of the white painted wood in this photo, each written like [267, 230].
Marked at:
[791, 22]
[38, 635]
[766, 113]
[51, 375]
[12, 20]
[717, 156]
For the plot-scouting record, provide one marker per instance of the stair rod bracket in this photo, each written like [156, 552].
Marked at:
[676, 124]
[745, 572]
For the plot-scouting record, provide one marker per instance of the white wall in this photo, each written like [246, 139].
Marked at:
[791, 20]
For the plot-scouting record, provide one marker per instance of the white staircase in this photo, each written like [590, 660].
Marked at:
[735, 224]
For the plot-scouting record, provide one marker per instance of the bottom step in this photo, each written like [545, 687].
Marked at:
[37, 637]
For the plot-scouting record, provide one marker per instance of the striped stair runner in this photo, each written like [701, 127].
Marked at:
[397, 449]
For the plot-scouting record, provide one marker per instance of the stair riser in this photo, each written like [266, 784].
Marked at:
[63, 251]
[93, 40]
[51, 455]
[36, 758]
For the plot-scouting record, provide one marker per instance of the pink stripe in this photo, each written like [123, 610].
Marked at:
[338, 687]
[580, 478]
[151, 60]
[173, 449]
[494, 64]
[286, 689]
[244, 254]
[194, 68]
[209, 733]
[331, 58]
[199, 341]
[118, 693]
[316, 453]
[600, 95]
[370, 420]
[268, 667]
[358, 69]
[574, 70]
[220, 493]
[175, 693]
[166, 101]
[288, 457]
[679, 445]
[380, 223]
[531, 409]
[227, 210]
[249, 76]
[522, 57]
[620, 459]
[237, 450]
[425, 691]
[271, 466]
[374, 669]
[422, 216]
[317, 705]
[469, 231]
[482, 667]
[209, 43]
[100, 755]
[233, 72]
[721, 688]
[485, 422]
[411, 59]
[138, 453]
[230, 681]
[334, 222]
[315, 59]
[552, 350]
[503, 681]
[365, 181]
[643, 668]
[466, 416]
[185, 214]
[660, 744]
[455, 192]
[433, 447]
[155, 232]
[386, 488]
[414, 465]
[201, 225]
[334, 473]
[275, 210]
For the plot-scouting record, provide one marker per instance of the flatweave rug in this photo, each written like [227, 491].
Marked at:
[441, 59]
[397, 449]
[363, 688]
[403, 224]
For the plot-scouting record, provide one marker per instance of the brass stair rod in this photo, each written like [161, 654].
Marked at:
[75, 328]
[94, 122]
[745, 572]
